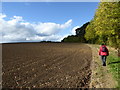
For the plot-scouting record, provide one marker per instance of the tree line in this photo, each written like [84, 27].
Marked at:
[104, 27]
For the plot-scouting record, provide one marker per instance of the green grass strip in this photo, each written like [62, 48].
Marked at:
[114, 65]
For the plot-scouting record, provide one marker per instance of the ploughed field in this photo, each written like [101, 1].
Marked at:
[46, 65]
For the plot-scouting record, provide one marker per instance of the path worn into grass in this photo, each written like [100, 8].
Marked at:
[49, 65]
[101, 76]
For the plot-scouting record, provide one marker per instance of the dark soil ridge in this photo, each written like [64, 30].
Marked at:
[46, 65]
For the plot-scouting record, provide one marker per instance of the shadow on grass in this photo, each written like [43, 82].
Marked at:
[114, 62]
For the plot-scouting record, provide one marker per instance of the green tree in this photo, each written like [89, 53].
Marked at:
[90, 33]
[106, 24]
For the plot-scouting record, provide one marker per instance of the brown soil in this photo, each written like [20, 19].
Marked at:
[49, 65]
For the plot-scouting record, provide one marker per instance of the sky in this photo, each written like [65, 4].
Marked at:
[43, 21]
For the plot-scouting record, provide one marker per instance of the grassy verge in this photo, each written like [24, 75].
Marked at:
[103, 75]
[114, 64]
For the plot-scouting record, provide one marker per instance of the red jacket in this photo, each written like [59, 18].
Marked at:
[103, 53]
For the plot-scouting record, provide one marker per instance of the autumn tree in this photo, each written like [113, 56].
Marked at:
[106, 24]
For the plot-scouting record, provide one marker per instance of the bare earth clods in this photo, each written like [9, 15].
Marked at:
[46, 65]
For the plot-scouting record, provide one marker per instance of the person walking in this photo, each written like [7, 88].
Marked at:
[103, 52]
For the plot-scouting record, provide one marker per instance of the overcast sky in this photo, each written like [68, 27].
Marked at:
[43, 21]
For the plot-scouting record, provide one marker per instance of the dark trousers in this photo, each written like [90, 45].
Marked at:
[103, 58]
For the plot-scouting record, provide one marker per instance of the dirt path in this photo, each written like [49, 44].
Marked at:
[50, 65]
[101, 77]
